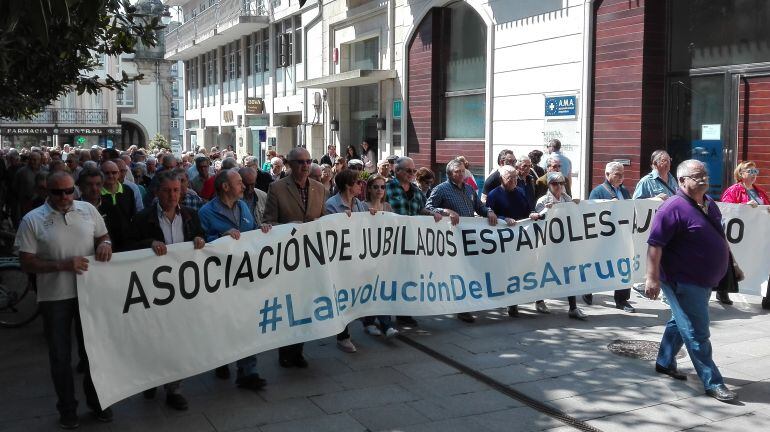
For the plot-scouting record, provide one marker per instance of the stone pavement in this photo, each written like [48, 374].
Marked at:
[390, 386]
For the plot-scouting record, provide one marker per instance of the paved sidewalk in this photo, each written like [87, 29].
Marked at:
[390, 386]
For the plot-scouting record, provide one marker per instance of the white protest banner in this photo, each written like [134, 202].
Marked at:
[150, 320]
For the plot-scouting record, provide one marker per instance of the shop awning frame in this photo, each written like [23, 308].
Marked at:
[356, 77]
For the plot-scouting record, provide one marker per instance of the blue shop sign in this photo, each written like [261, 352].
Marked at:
[561, 106]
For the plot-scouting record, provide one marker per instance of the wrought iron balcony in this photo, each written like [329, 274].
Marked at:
[193, 37]
[64, 116]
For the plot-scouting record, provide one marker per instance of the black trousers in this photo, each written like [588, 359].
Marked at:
[58, 317]
[622, 296]
[291, 352]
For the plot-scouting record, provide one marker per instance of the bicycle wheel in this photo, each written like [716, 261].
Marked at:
[18, 297]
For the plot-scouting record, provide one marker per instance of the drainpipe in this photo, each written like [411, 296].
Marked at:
[585, 106]
[305, 29]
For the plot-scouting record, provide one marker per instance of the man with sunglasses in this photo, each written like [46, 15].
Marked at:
[118, 205]
[295, 198]
[53, 241]
[687, 255]
[407, 199]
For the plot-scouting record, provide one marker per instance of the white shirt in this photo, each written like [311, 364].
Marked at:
[52, 235]
[173, 231]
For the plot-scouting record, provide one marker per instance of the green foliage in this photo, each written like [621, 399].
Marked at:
[51, 47]
[159, 142]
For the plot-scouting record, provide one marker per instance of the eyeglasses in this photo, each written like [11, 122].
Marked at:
[107, 173]
[408, 170]
[302, 161]
[696, 178]
[60, 192]
[377, 187]
[557, 183]
[752, 171]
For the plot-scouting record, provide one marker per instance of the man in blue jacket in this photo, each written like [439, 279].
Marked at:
[612, 189]
[227, 214]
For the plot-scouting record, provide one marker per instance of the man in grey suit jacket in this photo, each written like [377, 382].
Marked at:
[295, 198]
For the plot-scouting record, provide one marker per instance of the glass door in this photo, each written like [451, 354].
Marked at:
[698, 124]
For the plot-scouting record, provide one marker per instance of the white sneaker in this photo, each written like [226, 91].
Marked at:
[541, 307]
[391, 332]
[346, 345]
[373, 330]
[578, 314]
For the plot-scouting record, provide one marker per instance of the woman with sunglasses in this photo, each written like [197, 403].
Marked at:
[556, 194]
[346, 201]
[377, 202]
[745, 191]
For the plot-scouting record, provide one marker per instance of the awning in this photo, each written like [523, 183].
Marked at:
[352, 78]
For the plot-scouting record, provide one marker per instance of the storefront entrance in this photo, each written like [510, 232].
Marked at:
[718, 86]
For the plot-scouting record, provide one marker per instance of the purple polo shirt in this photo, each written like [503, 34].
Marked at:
[693, 251]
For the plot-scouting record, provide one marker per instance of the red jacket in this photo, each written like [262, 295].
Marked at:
[737, 194]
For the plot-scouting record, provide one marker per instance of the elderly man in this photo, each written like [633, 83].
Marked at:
[510, 201]
[122, 178]
[383, 168]
[276, 169]
[203, 183]
[552, 164]
[613, 189]
[254, 198]
[554, 148]
[53, 241]
[152, 166]
[455, 198]
[23, 187]
[525, 181]
[187, 196]
[225, 215]
[659, 183]
[407, 199]
[159, 225]
[118, 205]
[315, 172]
[73, 164]
[504, 158]
[686, 257]
[295, 198]
[330, 156]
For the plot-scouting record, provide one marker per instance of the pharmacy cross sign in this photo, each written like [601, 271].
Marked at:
[560, 107]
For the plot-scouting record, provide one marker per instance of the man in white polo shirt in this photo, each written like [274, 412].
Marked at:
[53, 241]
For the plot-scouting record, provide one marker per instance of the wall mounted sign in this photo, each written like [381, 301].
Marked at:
[14, 130]
[255, 105]
[561, 107]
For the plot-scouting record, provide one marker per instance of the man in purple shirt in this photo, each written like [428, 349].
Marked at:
[687, 256]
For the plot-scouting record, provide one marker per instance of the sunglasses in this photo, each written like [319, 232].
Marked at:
[557, 183]
[60, 192]
[752, 171]
[377, 187]
[302, 161]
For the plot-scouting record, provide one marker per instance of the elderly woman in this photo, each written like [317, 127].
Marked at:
[469, 179]
[659, 183]
[345, 201]
[425, 180]
[326, 176]
[745, 191]
[376, 201]
[555, 195]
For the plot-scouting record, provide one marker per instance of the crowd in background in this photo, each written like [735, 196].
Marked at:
[149, 199]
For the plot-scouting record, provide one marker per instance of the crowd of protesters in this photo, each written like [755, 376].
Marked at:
[134, 199]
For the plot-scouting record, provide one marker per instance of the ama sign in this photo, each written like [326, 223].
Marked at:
[560, 107]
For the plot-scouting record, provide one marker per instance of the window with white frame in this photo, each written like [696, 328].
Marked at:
[125, 97]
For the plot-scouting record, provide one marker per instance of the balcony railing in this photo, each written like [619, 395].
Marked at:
[205, 23]
[64, 116]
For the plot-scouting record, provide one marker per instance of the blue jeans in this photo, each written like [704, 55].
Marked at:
[689, 326]
[58, 318]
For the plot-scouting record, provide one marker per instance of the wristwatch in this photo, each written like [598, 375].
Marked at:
[106, 242]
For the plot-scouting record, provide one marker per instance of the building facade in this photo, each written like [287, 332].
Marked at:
[612, 80]
[78, 120]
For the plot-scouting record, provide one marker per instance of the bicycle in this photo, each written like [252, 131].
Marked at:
[18, 294]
